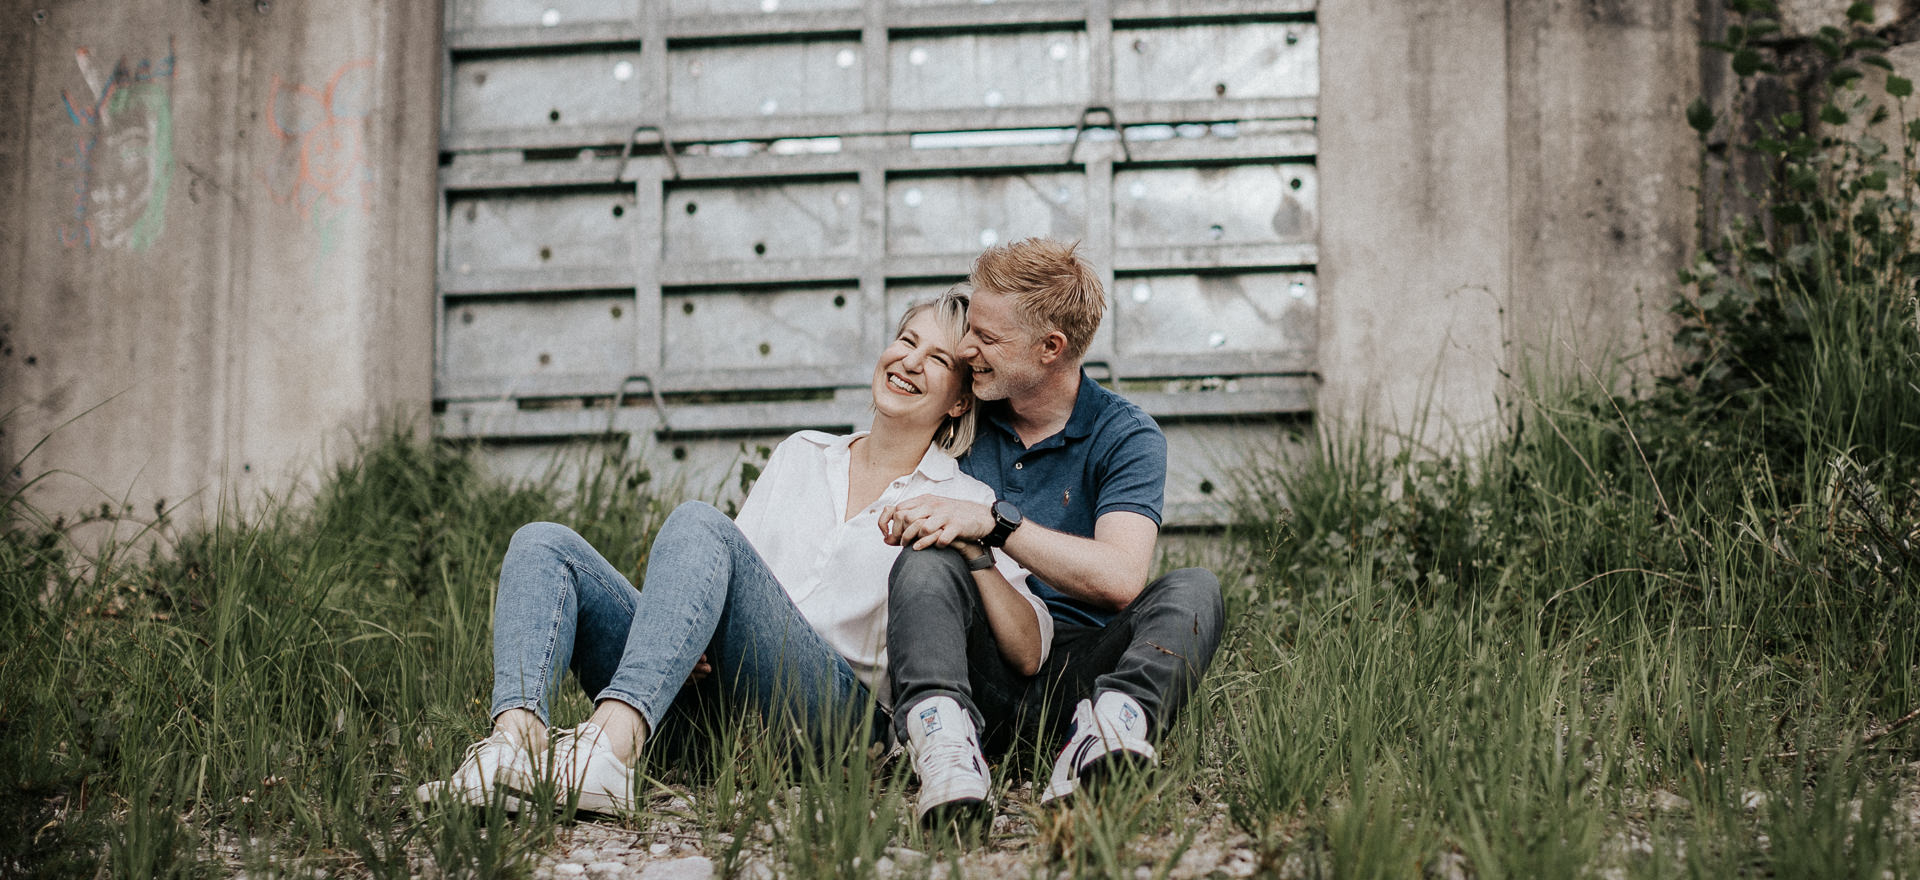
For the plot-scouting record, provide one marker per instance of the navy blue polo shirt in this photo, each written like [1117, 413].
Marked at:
[1110, 456]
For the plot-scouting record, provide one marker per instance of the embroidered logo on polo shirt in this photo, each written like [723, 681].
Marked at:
[1066, 498]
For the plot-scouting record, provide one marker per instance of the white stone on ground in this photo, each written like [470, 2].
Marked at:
[690, 868]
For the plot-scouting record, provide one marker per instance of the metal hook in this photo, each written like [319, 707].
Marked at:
[1113, 121]
[620, 397]
[666, 149]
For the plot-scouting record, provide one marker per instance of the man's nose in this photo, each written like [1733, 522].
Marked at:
[969, 347]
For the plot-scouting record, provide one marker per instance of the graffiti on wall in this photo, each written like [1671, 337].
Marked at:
[321, 165]
[122, 162]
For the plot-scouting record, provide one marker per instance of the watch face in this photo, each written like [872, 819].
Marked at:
[1006, 513]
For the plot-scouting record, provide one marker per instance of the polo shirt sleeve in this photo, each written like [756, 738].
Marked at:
[1132, 474]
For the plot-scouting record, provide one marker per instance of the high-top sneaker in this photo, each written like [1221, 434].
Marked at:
[946, 756]
[1106, 732]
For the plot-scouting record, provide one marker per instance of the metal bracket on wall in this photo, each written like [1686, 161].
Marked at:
[1113, 122]
[666, 149]
[620, 397]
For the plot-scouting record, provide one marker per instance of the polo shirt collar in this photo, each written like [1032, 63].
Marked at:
[1080, 424]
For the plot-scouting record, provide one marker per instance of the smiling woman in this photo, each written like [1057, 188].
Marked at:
[781, 612]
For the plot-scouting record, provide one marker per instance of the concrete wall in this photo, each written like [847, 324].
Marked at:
[217, 229]
[1502, 185]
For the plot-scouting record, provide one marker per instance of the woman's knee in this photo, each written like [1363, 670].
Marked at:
[535, 536]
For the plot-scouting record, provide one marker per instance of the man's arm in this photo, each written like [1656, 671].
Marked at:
[1107, 570]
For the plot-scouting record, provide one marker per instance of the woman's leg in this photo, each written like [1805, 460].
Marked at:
[560, 604]
[708, 591]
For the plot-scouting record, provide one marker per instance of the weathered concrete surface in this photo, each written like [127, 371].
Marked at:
[219, 227]
[1499, 182]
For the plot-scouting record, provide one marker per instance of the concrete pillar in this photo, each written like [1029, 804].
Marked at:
[1414, 205]
[1504, 187]
[219, 226]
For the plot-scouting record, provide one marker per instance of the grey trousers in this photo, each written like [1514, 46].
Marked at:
[939, 644]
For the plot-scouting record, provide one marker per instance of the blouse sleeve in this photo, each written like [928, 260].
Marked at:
[755, 514]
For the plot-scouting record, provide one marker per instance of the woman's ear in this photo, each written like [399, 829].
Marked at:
[960, 406]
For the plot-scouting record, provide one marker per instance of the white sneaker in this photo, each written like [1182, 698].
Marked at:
[946, 756]
[585, 767]
[1111, 728]
[498, 761]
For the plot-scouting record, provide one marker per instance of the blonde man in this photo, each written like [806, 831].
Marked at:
[1079, 477]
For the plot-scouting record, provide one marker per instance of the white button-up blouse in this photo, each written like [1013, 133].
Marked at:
[835, 567]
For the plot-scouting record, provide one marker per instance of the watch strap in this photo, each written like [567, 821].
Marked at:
[982, 562]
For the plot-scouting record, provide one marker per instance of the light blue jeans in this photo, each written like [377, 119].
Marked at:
[562, 606]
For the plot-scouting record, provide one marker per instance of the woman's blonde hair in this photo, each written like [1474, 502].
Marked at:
[955, 434]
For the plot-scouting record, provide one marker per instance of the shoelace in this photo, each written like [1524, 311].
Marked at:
[954, 755]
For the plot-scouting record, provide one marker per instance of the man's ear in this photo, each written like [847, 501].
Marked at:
[1053, 346]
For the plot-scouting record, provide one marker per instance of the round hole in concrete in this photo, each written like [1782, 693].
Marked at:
[679, 453]
[617, 312]
[686, 308]
[466, 316]
[553, 115]
[1206, 487]
[839, 301]
[545, 359]
[765, 349]
[546, 253]
[1294, 183]
[691, 207]
[619, 211]
[1219, 90]
[759, 248]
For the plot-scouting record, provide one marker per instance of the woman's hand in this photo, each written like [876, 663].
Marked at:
[933, 521]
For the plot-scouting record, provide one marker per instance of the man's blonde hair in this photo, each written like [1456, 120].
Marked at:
[955, 434]
[1052, 287]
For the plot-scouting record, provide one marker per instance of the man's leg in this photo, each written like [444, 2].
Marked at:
[947, 676]
[1151, 655]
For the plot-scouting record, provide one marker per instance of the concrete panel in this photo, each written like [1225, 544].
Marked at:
[1214, 313]
[503, 341]
[770, 221]
[1204, 62]
[768, 79]
[782, 329]
[222, 250]
[749, 7]
[962, 215]
[542, 13]
[532, 231]
[1215, 205]
[529, 92]
[989, 71]
[1605, 172]
[1414, 225]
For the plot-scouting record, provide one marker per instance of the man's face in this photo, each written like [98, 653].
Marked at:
[1004, 357]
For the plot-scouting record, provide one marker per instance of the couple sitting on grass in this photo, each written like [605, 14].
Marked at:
[972, 576]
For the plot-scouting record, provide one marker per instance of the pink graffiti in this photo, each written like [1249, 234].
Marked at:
[322, 166]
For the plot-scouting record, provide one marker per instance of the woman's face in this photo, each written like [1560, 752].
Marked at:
[919, 377]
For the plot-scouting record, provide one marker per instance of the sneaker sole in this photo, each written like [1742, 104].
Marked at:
[959, 811]
[511, 801]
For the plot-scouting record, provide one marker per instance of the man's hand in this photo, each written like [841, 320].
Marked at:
[932, 521]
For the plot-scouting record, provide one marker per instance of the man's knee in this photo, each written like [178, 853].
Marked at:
[917, 571]
[1185, 592]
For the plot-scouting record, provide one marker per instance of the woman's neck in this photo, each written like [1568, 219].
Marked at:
[892, 448]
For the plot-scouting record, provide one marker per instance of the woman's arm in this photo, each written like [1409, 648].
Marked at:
[1011, 617]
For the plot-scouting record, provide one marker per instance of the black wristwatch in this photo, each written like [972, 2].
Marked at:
[1006, 518]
